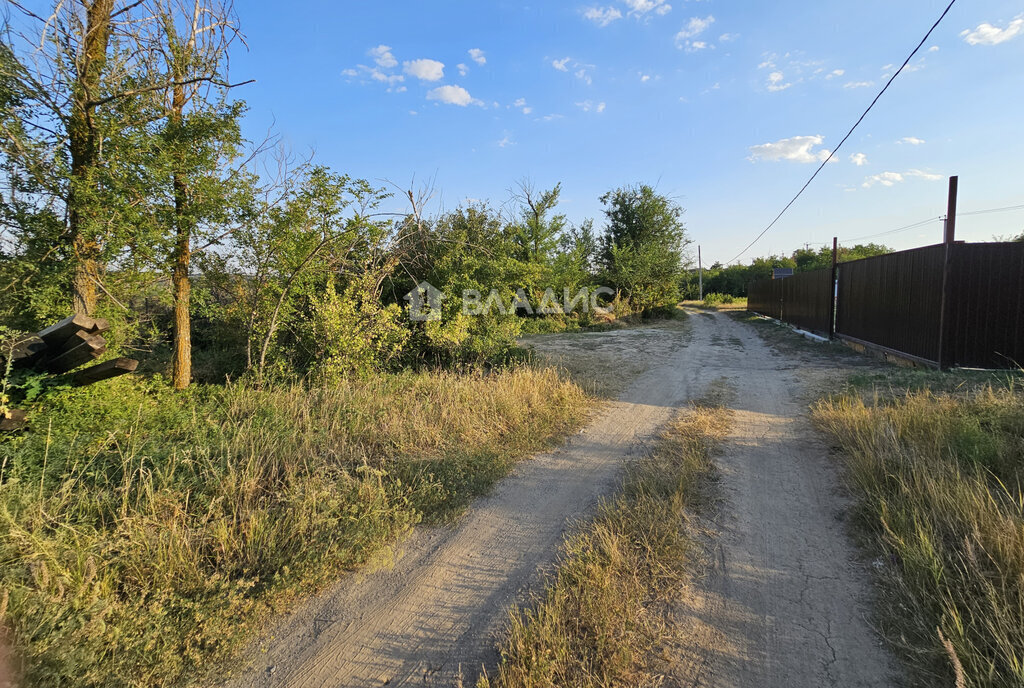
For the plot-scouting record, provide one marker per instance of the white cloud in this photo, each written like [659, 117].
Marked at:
[912, 140]
[349, 72]
[694, 27]
[892, 178]
[728, 37]
[933, 49]
[425, 70]
[644, 78]
[452, 95]
[561, 65]
[506, 141]
[383, 57]
[463, 69]
[885, 179]
[858, 84]
[590, 106]
[694, 46]
[602, 16]
[382, 77]
[582, 75]
[642, 7]
[859, 159]
[835, 73]
[796, 149]
[987, 34]
[477, 55]
[520, 104]
[775, 82]
[600, 107]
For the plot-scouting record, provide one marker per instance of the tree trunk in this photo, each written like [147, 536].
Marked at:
[82, 139]
[181, 375]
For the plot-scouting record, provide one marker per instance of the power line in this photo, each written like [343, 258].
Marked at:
[899, 229]
[992, 210]
[937, 219]
[849, 133]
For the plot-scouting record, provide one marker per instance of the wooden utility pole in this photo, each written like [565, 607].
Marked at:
[950, 234]
[700, 272]
[832, 290]
[945, 317]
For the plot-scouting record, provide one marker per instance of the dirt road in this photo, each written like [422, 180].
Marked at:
[783, 606]
[784, 602]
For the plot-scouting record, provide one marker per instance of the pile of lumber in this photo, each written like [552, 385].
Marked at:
[60, 349]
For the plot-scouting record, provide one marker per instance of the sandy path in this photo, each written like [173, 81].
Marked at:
[436, 611]
[784, 603]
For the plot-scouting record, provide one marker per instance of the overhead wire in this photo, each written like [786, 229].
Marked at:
[849, 133]
[905, 228]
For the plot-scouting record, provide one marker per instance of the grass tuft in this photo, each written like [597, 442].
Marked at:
[599, 621]
[145, 533]
[938, 476]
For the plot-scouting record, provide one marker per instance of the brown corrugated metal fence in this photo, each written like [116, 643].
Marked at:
[801, 300]
[895, 302]
[987, 306]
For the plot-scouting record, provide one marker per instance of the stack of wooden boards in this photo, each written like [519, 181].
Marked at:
[61, 348]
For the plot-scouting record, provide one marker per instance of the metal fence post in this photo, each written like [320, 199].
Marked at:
[832, 290]
[949, 236]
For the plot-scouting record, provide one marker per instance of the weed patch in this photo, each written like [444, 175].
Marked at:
[598, 621]
[145, 534]
[938, 477]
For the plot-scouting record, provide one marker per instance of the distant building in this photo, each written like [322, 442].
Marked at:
[781, 273]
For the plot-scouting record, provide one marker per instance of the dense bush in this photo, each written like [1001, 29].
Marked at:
[715, 299]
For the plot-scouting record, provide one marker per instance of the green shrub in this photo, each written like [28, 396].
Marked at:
[716, 299]
[145, 532]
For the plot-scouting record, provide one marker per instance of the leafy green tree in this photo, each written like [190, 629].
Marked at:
[537, 231]
[200, 137]
[468, 251]
[574, 264]
[319, 230]
[642, 246]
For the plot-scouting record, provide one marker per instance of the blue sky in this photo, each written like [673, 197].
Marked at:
[725, 106]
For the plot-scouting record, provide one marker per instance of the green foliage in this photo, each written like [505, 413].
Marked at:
[938, 480]
[145, 533]
[537, 232]
[642, 248]
[733, 279]
[715, 299]
[353, 332]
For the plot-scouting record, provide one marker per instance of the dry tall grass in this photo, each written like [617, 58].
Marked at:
[939, 482]
[144, 534]
[598, 622]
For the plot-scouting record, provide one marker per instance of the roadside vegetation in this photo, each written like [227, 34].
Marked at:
[938, 478]
[146, 532]
[732, 280]
[295, 408]
[602, 617]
